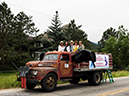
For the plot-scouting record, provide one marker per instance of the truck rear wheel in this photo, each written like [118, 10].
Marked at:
[49, 82]
[74, 80]
[95, 78]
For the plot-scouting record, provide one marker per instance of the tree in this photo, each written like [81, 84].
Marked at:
[106, 35]
[14, 31]
[72, 29]
[23, 27]
[119, 47]
[110, 47]
[75, 33]
[47, 45]
[55, 32]
[6, 20]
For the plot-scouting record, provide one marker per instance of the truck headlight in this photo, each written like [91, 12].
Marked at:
[34, 72]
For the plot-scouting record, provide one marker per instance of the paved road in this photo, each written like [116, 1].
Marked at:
[119, 88]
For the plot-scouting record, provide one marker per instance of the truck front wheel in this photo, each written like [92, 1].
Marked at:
[95, 78]
[49, 82]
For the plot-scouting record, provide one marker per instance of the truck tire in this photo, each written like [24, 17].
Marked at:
[90, 80]
[95, 78]
[74, 80]
[49, 82]
[30, 85]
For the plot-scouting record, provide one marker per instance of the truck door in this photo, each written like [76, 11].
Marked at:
[66, 68]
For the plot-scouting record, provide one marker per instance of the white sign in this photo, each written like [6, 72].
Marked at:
[102, 61]
[66, 65]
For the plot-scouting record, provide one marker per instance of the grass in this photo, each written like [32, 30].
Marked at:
[120, 73]
[7, 79]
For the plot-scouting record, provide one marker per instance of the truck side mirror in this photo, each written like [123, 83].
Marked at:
[41, 56]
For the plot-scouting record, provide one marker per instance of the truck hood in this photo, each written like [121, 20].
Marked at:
[41, 63]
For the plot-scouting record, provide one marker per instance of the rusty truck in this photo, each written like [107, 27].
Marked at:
[65, 66]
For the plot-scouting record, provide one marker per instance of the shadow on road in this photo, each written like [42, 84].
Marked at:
[61, 87]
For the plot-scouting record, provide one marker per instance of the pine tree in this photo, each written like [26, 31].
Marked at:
[75, 33]
[55, 32]
[106, 35]
[6, 20]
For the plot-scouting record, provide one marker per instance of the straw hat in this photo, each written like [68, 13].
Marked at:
[71, 41]
[80, 41]
[61, 42]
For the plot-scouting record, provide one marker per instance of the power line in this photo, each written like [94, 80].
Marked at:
[30, 10]
[93, 28]
[33, 10]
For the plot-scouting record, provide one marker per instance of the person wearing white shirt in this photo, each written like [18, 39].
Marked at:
[67, 48]
[61, 46]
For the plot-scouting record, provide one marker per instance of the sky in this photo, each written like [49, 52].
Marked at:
[95, 16]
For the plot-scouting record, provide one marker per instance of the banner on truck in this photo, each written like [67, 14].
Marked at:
[102, 61]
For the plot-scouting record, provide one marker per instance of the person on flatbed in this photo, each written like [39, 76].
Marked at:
[75, 47]
[67, 48]
[61, 46]
[71, 45]
[81, 46]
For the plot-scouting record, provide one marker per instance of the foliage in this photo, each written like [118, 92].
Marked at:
[14, 31]
[6, 21]
[106, 35]
[55, 32]
[127, 68]
[47, 45]
[119, 47]
[120, 73]
[75, 33]
[66, 33]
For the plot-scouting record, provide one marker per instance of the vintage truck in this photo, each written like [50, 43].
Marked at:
[66, 66]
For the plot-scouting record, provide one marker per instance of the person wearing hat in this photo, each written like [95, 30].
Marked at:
[61, 46]
[71, 45]
[81, 46]
[75, 47]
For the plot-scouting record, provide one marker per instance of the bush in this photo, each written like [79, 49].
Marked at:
[127, 68]
[19, 60]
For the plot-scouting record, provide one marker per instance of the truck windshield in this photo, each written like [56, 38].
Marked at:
[50, 57]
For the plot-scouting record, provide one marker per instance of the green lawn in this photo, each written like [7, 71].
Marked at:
[120, 73]
[7, 79]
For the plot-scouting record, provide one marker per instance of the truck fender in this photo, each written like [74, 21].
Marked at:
[55, 72]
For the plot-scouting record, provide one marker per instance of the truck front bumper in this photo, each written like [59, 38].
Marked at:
[25, 77]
